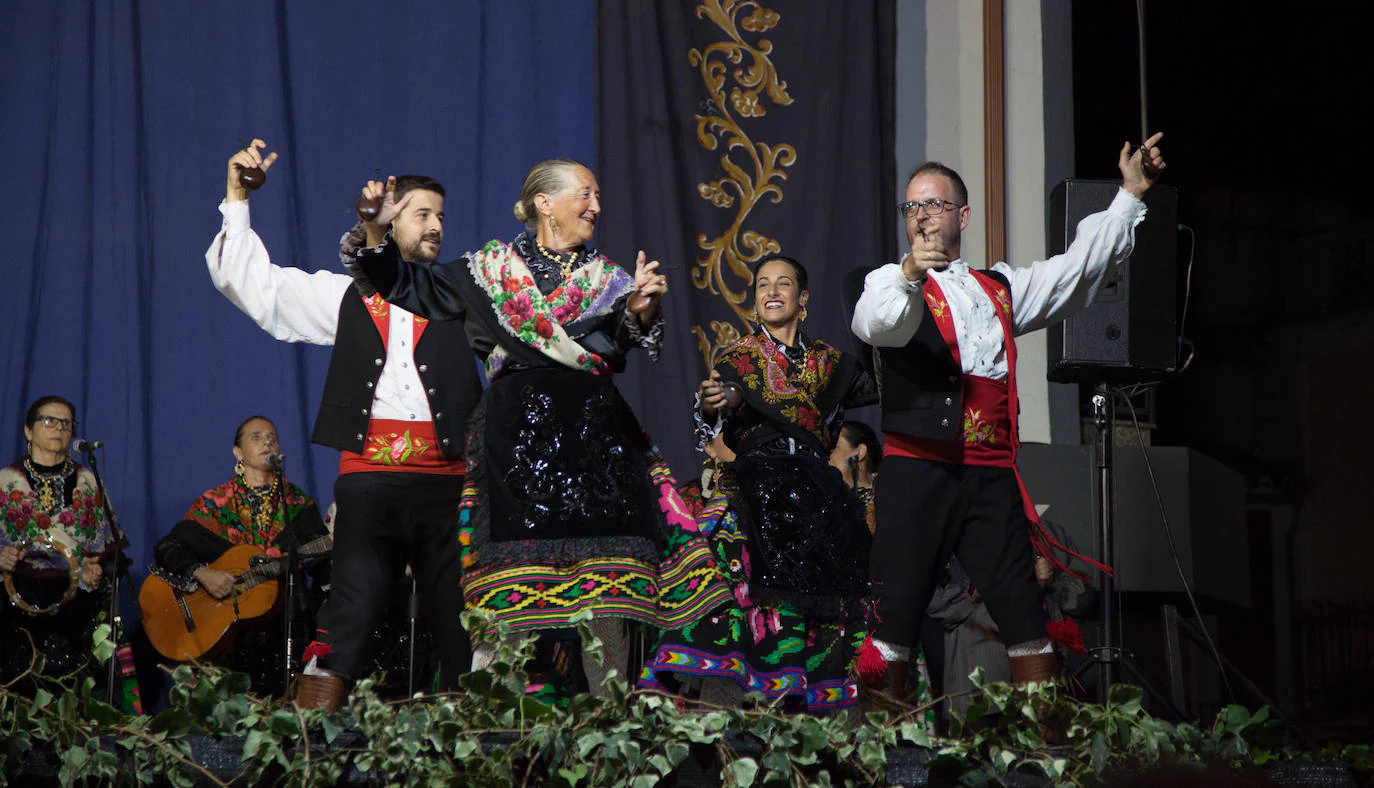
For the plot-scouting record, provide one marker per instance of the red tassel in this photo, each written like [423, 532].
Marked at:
[1066, 633]
[870, 665]
[316, 649]
[1045, 545]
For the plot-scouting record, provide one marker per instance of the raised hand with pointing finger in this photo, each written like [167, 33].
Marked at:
[1140, 170]
[650, 286]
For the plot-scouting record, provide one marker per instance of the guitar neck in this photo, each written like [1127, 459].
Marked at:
[273, 567]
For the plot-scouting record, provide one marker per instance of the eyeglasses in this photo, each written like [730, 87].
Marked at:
[55, 421]
[933, 207]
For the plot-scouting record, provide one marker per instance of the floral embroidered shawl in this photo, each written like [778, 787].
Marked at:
[540, 323]
[84, 521]
[796, 400]
[225, 511]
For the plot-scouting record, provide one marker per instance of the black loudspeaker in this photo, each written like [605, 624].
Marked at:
[1130, 332]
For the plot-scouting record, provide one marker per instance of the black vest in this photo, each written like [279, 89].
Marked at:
[442, 359]
[919, 383]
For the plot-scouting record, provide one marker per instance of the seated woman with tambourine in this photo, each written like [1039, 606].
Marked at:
[214, 591]
[54, 534]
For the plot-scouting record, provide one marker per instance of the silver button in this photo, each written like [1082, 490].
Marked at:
[438, 416]
[369, 384]
[430, 392]
[407, 387]
[944, 422]
[377, 361]
[364, 411]
[424, 367]
[953, 378]
[949, 400]
[360, 436]
[444, 441]
[412, 417]
[405, 365]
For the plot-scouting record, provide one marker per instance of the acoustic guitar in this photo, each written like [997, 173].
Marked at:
[183, 626]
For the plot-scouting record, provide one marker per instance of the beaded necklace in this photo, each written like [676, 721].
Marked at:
[51, 487]
[261, 501]
[558, 257]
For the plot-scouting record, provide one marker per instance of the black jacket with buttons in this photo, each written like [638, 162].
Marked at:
[450, 380]
[918, 383]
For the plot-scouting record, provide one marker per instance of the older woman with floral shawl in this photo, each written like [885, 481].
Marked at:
[569, 506]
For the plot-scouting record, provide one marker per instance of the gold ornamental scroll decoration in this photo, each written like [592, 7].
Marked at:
[740, 78]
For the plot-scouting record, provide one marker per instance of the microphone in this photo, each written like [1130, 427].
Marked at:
[276, 461]
[80, 446]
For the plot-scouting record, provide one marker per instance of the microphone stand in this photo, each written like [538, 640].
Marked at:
[118, 567]
[292, 563]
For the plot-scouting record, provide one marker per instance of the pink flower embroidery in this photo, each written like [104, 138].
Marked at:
[398, 448]
[756, 624]
[519, 306]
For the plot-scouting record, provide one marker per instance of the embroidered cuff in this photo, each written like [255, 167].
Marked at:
[705, 431]
[651, 338]
[185, 583]
[352, 249]
[351, 241]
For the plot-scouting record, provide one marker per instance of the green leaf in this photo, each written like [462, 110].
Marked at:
[741, 772]
[102, 647]
[41, 698]
[1125, 699]
[915, 733]
[1101, 753]
[574, 774]
[677, 752]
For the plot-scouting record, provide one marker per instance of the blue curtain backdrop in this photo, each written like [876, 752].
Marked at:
[118, 118]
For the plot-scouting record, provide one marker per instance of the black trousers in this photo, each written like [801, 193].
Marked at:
[384, 521]
[930, 510]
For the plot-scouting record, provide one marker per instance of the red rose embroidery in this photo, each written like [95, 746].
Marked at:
[44, 521]
[16, 496]
[543, 327]
[744, 365]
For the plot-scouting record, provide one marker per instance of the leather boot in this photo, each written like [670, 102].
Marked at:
[1041, 668]
[889, 693]
[319, 692]
[1034, 667]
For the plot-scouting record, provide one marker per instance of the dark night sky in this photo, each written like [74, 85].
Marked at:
[1245, 92]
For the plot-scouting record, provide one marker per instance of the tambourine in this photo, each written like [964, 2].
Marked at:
[73, 569]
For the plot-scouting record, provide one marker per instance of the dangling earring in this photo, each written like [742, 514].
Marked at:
[238, 468]
[802, 314]
[553, 225]
[753, 316]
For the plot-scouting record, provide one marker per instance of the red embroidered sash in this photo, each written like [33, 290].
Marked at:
[406, 446]
[989, 434]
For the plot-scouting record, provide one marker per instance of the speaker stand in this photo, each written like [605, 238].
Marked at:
[1110, 656]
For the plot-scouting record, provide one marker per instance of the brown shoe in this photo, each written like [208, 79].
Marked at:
[1041, 668]
[1034, 667]
[319, 692]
